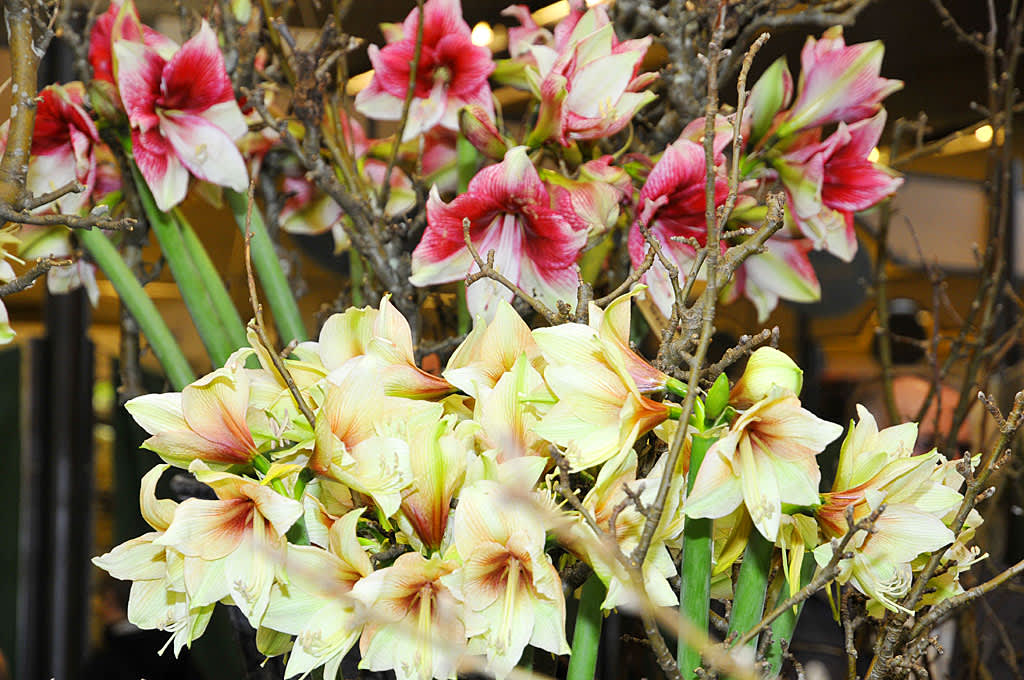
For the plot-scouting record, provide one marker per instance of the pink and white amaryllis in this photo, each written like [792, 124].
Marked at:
[671, 206]
[63, 147]
[827, 181]
[183, 115]
[781, 271]
[451, 73]
[119, 22]
[590, 87]
[509, 212]
[838, 83]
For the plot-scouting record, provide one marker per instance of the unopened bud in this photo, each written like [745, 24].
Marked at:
[767, 367]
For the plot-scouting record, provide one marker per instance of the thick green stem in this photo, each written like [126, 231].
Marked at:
[356, 273]
[783, 627]
[264, 258]
[695, 568]
[587, 637]
[464, 320]
[751, 586]
[193, 291]
[142, 309]
[214, 284]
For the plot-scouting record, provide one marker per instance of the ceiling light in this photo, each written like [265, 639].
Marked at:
[983, 134]
[482, 34]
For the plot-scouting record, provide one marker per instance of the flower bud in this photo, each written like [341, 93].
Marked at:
[766, 368]
[476, 125]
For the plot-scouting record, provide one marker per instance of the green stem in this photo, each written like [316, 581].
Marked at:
[751, 586]
[356, 273]
[142, 309]
[214, 284]
[695, 567]
[464, 320]
[268, 268]
[783, 627]
[676, 387]
[587, 636]
[193, 292]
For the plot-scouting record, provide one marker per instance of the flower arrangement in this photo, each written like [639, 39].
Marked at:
[440, 522]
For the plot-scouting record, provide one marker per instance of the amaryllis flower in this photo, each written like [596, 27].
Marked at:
[591, 201]
[608, 501]
[490, 350]
[452, 72]
[510, 212]
[183, 115]
[234, 546]
[600, 412]
[590, 87]
[315, 605]
[878, 467]
[672, 204]
[767, 457]
[781, 271]
[509, 587]
[826, 182]
[838, 82]
[119, 22]
[383, 336]
[439, 453]
[63, 147]
[416, 628]
[157, 599]
[205, 421]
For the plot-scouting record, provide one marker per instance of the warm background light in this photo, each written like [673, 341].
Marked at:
[874, 155]
[482, 34]
[983, 134]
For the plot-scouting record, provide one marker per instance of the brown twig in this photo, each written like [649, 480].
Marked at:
[258, 326]
[487, 271]
[824, 576]
[39, 269]
[410, 91]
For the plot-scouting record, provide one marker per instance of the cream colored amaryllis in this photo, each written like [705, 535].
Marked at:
[600, 412]
[507, 413]
[490, 350]
[205, 421]
[234, 546]
[876, 468]
[612, 325]
[440, 451]
[766, 457]
[355, 444]
[415, 623]
[315, 605]
[510, 590]
[382, 334]
[157, 599]
[615, 514]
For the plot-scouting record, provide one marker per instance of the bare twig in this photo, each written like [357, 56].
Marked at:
[26, 280]
[487, 271]
[259, 327]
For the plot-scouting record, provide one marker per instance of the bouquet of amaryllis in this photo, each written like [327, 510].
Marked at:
[440, 523]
